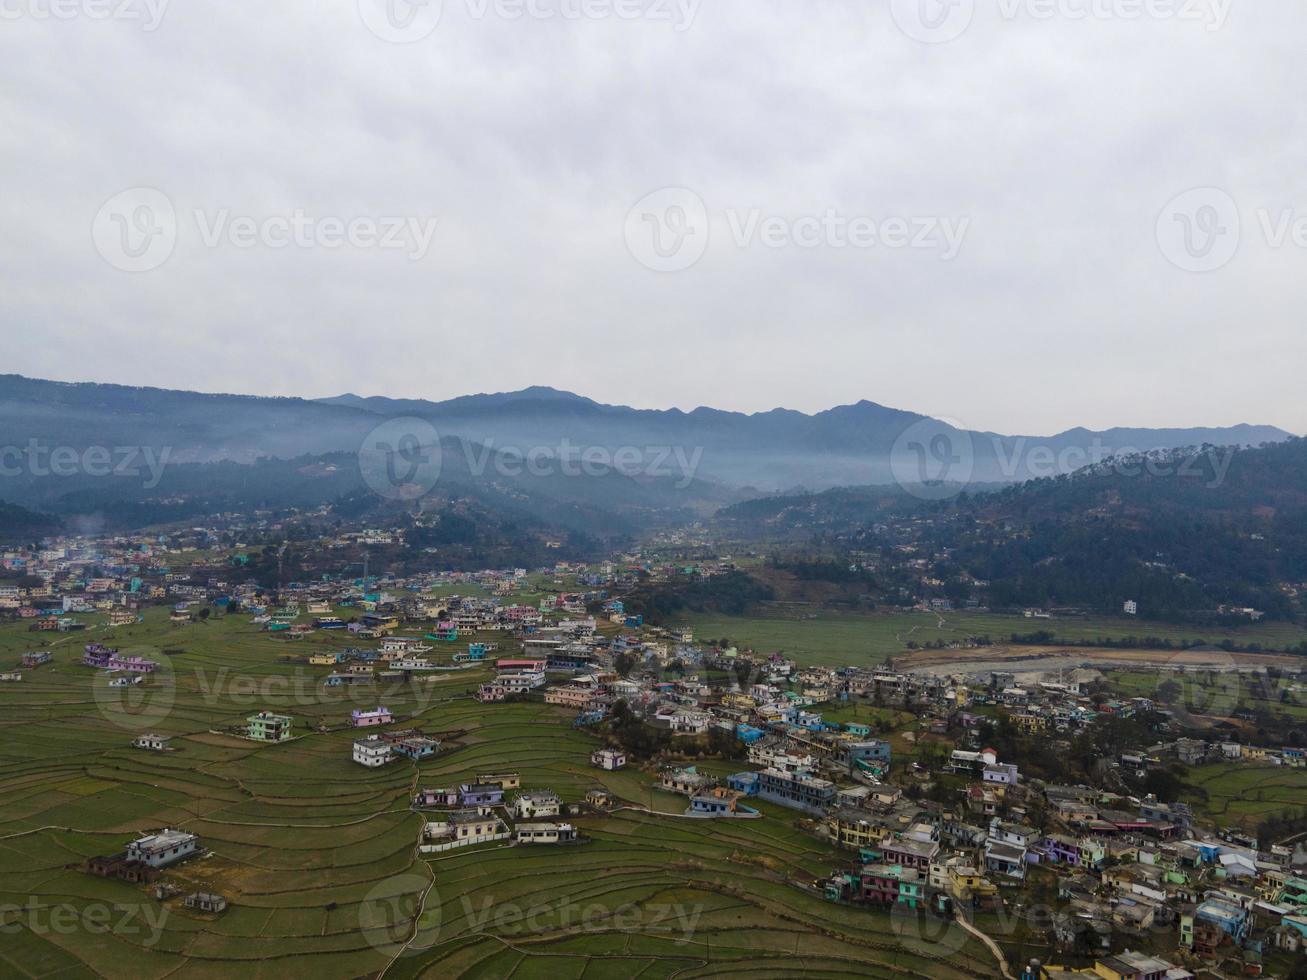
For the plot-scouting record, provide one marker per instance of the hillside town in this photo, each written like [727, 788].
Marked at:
[936, 787]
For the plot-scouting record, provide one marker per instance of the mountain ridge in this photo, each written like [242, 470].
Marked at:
[860, 443]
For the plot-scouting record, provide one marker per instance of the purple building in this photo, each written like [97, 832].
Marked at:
[97, 655]
[480, 794]
[1061, 850]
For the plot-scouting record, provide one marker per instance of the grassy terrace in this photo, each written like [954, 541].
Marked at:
[318, 855]
[1226, 691]
[836, 638]
[1243, 793]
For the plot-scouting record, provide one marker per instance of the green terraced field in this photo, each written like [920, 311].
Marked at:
[1244, 793]
[319, 859]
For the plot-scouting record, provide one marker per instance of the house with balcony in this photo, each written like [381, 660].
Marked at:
[1059, 849]
[1005, 859]
[850, 827]
[268, 727]
[97, 655]
[535, 804]
[909, 852]
[359, 718]
[797, 790]
[887, 884]
[372, 751]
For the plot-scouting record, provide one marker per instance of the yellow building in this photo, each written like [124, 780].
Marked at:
[966, 883]
[849, 828]
[733, 699]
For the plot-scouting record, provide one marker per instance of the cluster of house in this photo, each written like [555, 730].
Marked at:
[1125, 868]
[481, 812]
[101, 657]
[111, 577]
[382, 748]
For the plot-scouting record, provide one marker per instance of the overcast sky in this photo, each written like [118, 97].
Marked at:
[983, 214]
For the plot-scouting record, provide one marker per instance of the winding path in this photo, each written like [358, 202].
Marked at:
[993, 946]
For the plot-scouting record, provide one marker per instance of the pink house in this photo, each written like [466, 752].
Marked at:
[133, 665]
[365, 719]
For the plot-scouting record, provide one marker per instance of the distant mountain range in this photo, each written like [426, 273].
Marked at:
[664, 461]
[864, 443]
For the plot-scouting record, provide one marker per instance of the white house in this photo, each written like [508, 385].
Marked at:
[164, 848]
[372, 751]
[609, 759]
[545, 833]
[541, 803]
